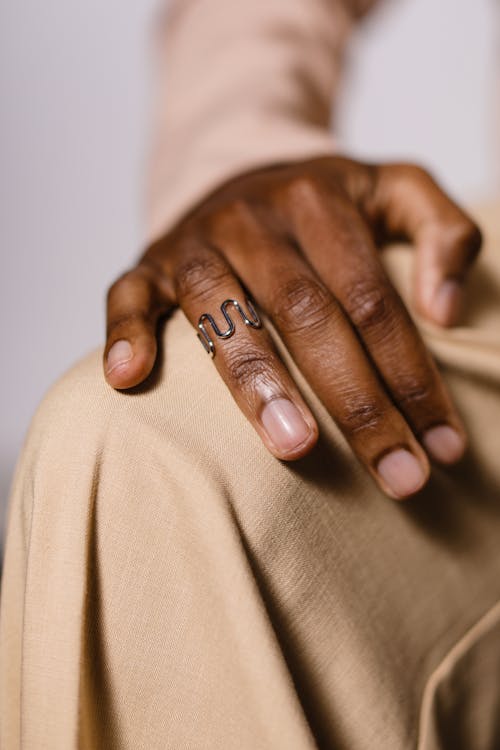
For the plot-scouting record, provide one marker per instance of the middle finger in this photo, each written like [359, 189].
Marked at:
[320, 339]
[339, 246]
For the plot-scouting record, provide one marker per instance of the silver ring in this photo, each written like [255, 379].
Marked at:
[205, 338]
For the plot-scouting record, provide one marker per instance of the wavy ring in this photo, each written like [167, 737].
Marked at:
[205, 338]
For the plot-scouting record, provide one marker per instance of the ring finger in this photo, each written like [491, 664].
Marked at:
[345, 257]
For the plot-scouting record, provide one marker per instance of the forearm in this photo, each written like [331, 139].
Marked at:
[242, 84]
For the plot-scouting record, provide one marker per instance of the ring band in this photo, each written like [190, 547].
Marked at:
[205, 338]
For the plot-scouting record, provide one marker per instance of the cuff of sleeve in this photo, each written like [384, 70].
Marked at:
[205, 172]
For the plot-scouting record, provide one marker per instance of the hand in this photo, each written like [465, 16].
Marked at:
[302, 239]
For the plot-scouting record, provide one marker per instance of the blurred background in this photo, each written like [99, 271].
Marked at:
[422, 83]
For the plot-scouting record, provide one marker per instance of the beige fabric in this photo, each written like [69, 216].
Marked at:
[241, 84]
[168, 584]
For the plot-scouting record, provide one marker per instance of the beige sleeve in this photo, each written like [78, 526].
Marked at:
[241, 84]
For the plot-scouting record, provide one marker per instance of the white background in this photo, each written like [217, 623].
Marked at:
[74, 100]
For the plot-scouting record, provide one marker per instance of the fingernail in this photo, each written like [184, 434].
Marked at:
[284, 424]
[120, 353]
[447, 302]
[444, 444]
[401, 472]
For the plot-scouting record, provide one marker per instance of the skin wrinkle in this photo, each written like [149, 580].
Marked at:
[250, 603]
[325, 292]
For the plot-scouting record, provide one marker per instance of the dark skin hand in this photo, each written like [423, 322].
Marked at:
[301, 240]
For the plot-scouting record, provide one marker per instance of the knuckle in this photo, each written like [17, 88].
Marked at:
[122, 285]
[305, 187]
[199, 275]
[233, 211]
[418, 173]
[408, 174]
[303, 304]
[465, 235]
[132, 297]
[239, 208]
[128, 321]
[361, 414]
[413, 390]
[229, 222]
[415, 173]
[369, 304]
[246, 367]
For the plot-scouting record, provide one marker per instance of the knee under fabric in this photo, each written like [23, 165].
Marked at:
[169, 584]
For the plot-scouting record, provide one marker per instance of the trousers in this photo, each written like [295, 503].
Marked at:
[169, 585]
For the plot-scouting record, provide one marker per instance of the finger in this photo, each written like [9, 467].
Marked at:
[244, 354]
[326, 349]
[339, 246]
[446, 239]
[134, 304]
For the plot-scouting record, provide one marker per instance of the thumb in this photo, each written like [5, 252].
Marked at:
[134, 304]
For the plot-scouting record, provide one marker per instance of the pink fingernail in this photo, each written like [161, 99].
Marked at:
[444, 444]
[402, 473]
[447, 302]
[120, 353]
[284, 424]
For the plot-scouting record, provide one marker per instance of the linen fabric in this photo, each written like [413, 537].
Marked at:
[168, 584]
